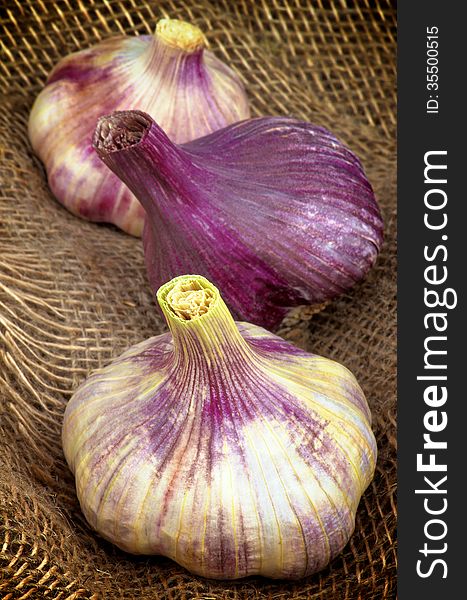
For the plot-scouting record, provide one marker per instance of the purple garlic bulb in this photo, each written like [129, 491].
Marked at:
[170, 75]
[275, 211]
[220, 445]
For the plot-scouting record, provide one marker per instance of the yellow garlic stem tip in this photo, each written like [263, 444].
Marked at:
[179, 34]
[196, 314]
[188, 297]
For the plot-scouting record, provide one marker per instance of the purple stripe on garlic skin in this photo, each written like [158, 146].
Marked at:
[220, 445]
[170, 75]
[274, 202]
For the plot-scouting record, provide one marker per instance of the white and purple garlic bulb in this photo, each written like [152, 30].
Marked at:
[276, 203]
[170, 75]
[220, 445]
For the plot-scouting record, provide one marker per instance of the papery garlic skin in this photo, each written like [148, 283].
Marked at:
[221, 446]
[186, 89]
[276, 203]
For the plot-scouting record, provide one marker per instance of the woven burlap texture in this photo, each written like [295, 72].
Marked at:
[74, 294]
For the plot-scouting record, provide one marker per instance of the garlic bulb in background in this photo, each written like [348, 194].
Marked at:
[184, 87]
[220, 445]
[275, 203]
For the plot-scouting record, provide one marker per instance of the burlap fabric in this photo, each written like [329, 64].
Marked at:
[74, 294]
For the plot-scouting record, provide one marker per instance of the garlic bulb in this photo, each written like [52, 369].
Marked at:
[184, 87]
[276, 203]
[221, 445]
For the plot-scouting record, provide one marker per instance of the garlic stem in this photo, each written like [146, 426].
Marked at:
[189, 300]
[180, 35]
[130, 141]
[202, 327]
[113, 136]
